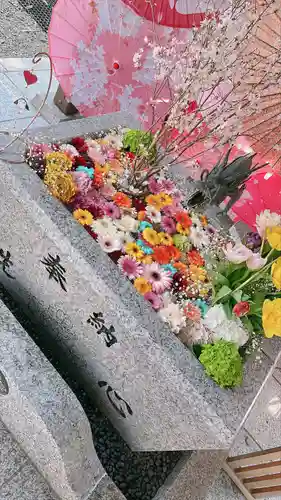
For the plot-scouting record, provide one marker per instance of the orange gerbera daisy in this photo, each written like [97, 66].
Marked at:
[161, 255]
[122, 200]
[174, 252]
[184, 219]
[141, 215]
[204, 220]
[195, 258]
[103, 169]
[180, 266]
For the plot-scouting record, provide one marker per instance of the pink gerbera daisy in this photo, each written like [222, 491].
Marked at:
[112, 211]
[160, 279]
[130, 267]
[168, 225]
[155, 300]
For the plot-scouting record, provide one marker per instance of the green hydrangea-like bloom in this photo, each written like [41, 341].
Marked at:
[223, 363]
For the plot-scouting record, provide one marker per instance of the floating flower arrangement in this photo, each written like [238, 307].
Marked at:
[218, 296]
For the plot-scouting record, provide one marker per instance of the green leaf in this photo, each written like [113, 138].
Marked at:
[237, 295]
[247, 323]
[220, 279]
[228, 310]
[223, 291]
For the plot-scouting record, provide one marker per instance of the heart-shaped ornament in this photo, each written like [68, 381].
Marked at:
[29, 77]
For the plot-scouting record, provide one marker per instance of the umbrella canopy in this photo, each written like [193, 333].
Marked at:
[93, 46]
[174, 13]
[263, 192]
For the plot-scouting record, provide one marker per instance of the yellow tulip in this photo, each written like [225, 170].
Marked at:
[273, 235]
[271, 318]
[276, 273]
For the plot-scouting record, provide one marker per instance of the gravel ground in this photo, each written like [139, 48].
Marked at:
[20, 35]
[137, 475]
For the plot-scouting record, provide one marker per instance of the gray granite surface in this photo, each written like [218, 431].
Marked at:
[192, 478]
[173, 405]
[44, 417]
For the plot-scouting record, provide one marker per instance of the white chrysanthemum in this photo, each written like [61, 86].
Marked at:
[223, 328]
[198, 237]
[127, 224]
[267, 219]
[104, 227]
[173, 315]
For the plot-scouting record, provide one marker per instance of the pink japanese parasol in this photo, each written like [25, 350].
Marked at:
[174, 13]
[92, 46]
[263, 192]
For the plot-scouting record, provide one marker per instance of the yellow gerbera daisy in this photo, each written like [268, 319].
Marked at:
[83, 216]
[142, 285]
[151, 236]
[134, 250]
[165, 199]
[166, 239]
[147, 259]
[154, 201]
[182, 230]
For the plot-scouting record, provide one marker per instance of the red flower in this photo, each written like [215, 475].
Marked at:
[180, 282]
[161, 255]
[79, 161]
[138, 205]
[183, 219]
[241, 309]
[192, 107]
[80, 144]
[130, 155]
[98, 179]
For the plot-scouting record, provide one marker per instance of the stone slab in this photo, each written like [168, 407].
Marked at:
[12, 457]
[193, 477]
[43, 415]
[152, 387]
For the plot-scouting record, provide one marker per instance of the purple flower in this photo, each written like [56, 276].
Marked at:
[112, 211]
[168, 225]
[155, 300]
